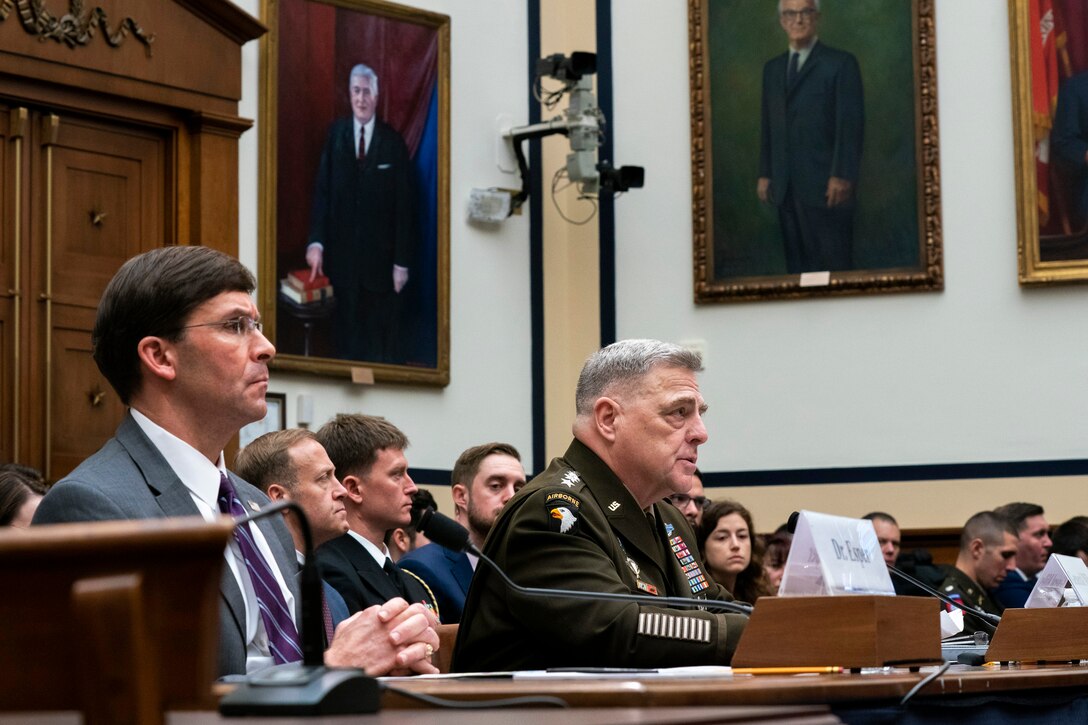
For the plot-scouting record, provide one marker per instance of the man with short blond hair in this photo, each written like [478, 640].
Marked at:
[484, 478]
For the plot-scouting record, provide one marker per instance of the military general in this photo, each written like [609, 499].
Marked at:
[597, 520]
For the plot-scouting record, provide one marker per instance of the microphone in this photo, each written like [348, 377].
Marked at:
[446, 532]
[990, 620]
[308, 687]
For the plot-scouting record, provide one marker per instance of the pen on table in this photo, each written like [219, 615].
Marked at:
[786, 670]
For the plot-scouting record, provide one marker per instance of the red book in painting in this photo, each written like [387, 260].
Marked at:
[300, 280]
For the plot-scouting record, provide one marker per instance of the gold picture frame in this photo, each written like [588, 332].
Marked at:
[384, 214]
[1052, 230]
[894, 237]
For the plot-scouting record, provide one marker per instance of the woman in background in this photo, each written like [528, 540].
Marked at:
[20, 495]
[732, 554]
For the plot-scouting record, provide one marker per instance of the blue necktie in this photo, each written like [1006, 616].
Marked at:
[278, 621]
[791, 73]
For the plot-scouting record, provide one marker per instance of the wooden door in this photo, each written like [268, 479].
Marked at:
[105, 191]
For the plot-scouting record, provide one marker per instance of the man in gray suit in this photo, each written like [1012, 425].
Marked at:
[179, 338]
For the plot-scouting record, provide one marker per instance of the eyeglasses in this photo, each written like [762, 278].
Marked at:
[682, 499]
[792, 16]
[241, 325]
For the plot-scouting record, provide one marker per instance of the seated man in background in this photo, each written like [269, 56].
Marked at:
[368, 453]
[595, 520]
[405, 539]
[179, 338]
[692, 503]
[291, 465]
[887, 535]
[1071, 538]
[1032, 551]
[484, 478]
[987, 555]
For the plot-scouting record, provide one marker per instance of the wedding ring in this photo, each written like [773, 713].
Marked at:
[430, 651]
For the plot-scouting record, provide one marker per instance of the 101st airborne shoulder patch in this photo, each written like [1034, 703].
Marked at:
[562, 511]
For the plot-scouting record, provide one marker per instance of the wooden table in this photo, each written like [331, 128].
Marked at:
[884, 686]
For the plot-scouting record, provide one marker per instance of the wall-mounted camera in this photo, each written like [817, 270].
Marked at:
[582, 122]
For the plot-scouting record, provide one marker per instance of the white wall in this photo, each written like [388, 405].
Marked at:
[984, 371]
[489, 394]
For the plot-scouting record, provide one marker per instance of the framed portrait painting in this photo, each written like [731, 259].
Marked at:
[1049, 44]
[355, 189]
[814, 148]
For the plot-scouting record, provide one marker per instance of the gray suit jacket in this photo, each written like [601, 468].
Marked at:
[129, 479]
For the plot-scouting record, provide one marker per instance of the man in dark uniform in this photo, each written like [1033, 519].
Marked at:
[987, 555]
[362, 231]
[596, 520]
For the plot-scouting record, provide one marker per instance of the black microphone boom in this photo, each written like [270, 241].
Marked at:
[990, 620]
[446, 532]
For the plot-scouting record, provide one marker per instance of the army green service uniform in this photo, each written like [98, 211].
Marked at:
[963, 588]
[576, 526]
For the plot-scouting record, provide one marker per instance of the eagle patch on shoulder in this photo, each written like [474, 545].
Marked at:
[561, 519]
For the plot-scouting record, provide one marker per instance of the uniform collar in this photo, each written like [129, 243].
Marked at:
[617, 503]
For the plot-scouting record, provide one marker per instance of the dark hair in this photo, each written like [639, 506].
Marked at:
[29, 475]
[1019, 512]
[1071, 537]
[353, 441]
[153, 294]
[881, 516]
[14, 492]
[752, 583]
[267, 459]
[988, 526]
[468, 463]
[776, 549]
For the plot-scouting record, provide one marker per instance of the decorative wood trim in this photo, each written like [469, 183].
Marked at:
[74, 28]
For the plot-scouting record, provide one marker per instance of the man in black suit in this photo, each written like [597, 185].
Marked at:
[179, 338]
[810, 146]
[363, 226]
[368, 453]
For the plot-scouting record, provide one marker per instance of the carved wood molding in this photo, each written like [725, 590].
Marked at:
[75, 27]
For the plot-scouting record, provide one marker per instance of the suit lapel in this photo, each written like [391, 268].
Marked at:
[811, 62]
[461, 568]
[371, 576]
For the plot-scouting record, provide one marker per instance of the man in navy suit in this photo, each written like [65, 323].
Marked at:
[368, 453]
[179, 338]
[484, 478]
[363, 226]
[810, 143]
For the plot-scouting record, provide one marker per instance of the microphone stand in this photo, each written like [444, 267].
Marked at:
[989, 620]
[307, 687]
[440, 529]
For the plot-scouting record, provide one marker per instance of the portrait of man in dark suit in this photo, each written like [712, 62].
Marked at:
[358, 222]
[811, 143]
[362, 229]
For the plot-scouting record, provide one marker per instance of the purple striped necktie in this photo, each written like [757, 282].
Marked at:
[278, 621]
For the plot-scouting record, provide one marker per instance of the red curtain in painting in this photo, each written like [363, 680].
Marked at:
[318, 46]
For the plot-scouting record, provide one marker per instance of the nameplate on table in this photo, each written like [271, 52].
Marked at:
[834, 555]
[1063, 582]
